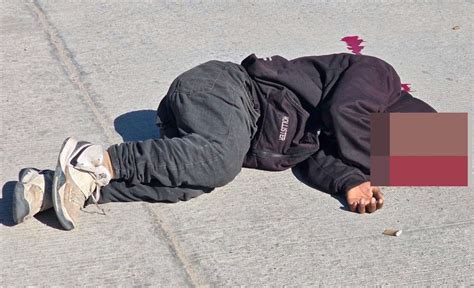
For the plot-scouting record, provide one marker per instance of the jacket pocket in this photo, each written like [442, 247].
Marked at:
[281, 140]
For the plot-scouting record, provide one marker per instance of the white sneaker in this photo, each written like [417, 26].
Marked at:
[32, 193]
[79, 174]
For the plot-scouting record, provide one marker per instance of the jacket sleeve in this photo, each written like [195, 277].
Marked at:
[366, 86]
[327, 173]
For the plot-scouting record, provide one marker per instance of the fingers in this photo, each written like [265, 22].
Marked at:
[372, 206]
[353, 206]
[361, 206]
[365, 200]
[378, 195]
[367, 206]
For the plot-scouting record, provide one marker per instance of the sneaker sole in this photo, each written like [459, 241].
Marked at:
[20, 207]
[59, 184]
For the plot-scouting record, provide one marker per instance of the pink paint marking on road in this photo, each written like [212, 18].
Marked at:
[406, 87]
[353, 44]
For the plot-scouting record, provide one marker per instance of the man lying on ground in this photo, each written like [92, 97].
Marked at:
[311, 114]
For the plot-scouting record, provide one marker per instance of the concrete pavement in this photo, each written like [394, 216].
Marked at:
[80, 68]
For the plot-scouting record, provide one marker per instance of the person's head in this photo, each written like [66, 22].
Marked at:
[408, 103]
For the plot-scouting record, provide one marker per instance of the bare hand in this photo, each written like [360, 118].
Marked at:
[364, 198]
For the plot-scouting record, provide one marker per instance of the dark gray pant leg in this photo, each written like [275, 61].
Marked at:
[121, 191]
[208, 106]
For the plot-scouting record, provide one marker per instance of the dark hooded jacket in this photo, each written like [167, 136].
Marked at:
[288, 94]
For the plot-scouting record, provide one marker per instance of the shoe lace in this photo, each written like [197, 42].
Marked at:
[95, 201]
[100, 179]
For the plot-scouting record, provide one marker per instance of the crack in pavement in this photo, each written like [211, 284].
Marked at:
[70, 67]
[73, 72]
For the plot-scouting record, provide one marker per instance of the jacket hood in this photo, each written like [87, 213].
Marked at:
[278, 70]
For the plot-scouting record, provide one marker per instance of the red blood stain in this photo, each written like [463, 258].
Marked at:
[353, 44]
[406, 87]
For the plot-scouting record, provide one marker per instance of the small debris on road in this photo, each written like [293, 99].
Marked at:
[392, 232]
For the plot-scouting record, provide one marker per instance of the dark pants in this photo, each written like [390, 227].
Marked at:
[207, 120]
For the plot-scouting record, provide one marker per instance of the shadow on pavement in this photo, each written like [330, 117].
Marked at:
[49, 218]
[137, 125]
[339, 198]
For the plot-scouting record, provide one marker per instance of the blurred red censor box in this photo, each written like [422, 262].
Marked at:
[419, 149]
